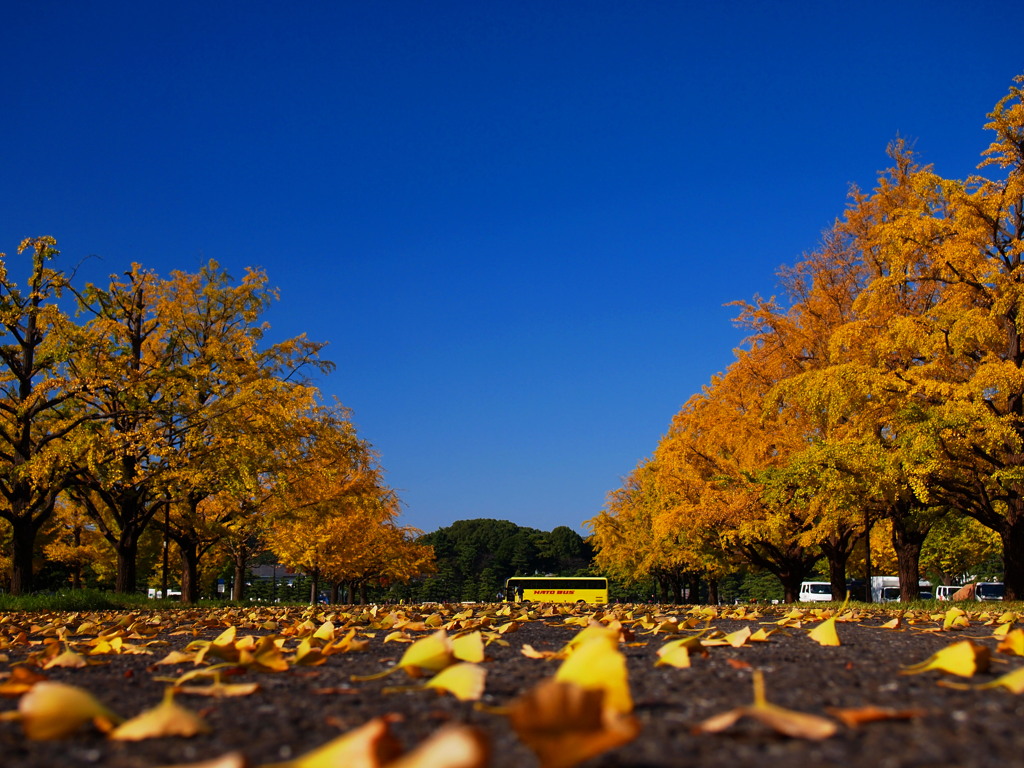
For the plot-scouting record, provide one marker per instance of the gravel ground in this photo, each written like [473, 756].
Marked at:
[297, 710]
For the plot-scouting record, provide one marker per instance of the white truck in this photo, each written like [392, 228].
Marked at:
[886, 589]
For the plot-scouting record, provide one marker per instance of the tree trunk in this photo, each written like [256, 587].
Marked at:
[238, 588]
[693, 589]
[837, 575]
[907, 540]
[837, 550]
[867, 559]
[713, 591]
[189, 551]
[127, 548]
[335, 592]
[23, 541]
[314, 586]
[1012, 536]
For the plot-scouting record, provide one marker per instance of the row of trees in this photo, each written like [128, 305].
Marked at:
[156, 403]
[887, 389]
[475, 557]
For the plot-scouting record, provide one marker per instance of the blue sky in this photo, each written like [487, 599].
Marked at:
[516, 224]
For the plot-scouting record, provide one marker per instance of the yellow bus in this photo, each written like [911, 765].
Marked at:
[557, 589]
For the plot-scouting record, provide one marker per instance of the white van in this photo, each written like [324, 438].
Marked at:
[815, 592]
[946, 592]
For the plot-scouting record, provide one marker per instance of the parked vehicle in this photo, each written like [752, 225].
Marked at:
[946, 591]
[988, 590]
[886, 589]
[815, 592]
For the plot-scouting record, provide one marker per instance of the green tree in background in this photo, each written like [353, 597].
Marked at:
[475, 557]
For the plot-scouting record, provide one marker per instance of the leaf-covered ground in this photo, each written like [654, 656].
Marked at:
[272, 685]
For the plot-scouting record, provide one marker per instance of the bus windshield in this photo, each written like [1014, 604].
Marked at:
[557, 589]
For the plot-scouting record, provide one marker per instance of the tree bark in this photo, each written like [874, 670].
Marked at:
[189, 551]
[238, 587]
[23, 539]
[907, 539]
[1012, 536]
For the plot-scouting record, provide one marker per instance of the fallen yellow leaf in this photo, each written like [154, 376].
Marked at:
[598, 664]
[963, 659]
[464, 680]
[165, 719]
[825, 633]
[855, 716]
[1012, 643]
[54, 710]
[454, 746]
[786, 721]
[369, 746]
[565, 724]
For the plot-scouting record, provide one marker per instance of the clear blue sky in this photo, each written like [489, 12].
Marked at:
[515, 223]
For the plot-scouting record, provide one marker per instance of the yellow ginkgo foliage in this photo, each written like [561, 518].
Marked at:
[963, 659]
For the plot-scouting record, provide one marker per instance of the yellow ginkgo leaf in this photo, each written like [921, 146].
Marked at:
[464, 680]
[1011, 681]
[454, 746]
[429, 654]
[176, 657]
[20, 681]
[825, 633]
[369, 746]
[565, 724]
[165, 719]
[799, 725]
[469, 647]
[675, 656]
[69, 659]
[325, 633]
[736, 639]
[955, 618]
[598, 665]
[1012, 643]
[229, 760]
[54, 710]
[964, 659]
[532, 653]
[588, 633]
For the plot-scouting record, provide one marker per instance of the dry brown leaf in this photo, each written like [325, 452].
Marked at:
[799, 725]
[565, 724]
[852, 717]
[454, 746]
[20, 680]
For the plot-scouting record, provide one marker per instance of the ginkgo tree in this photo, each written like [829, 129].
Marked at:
[38, 391]
[337, 522]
